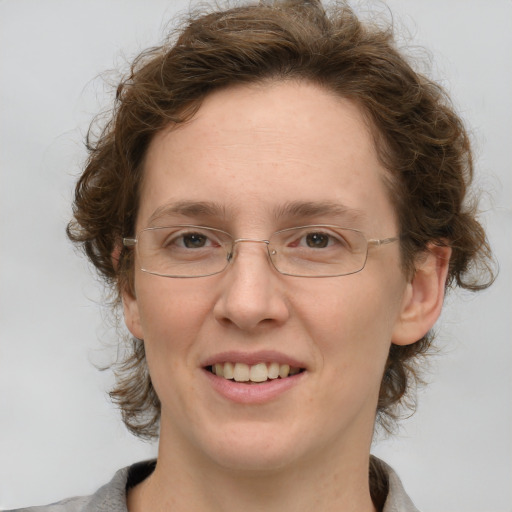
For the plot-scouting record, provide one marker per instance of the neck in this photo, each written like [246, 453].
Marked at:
[330, 483]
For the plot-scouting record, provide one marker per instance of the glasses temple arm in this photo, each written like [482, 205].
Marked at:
[129, 242]
[382, 241]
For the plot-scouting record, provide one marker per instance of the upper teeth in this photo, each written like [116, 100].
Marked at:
[260, 372]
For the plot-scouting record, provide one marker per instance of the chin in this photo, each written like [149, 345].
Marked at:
[255, 448]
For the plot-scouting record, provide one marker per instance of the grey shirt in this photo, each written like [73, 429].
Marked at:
[112, 496]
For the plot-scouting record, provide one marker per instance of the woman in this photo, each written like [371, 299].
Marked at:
[278, 201]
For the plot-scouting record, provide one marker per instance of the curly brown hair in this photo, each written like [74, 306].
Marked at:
[419, 139]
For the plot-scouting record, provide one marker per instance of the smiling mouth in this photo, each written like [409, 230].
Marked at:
[256, 373]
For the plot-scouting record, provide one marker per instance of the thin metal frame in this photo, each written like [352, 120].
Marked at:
[374, 242]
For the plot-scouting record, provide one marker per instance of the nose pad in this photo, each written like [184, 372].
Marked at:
[251, 295]
[231, 255]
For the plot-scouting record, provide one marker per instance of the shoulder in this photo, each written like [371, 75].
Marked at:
[387, 489]
[68, 505]
[109, 498]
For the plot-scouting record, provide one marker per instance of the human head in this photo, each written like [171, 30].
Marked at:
[419, 139]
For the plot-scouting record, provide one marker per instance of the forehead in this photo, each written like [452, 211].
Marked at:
[253, 150]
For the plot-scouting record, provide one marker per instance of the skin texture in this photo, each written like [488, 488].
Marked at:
[253, 150]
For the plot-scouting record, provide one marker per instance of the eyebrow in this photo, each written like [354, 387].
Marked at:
[189, 209]
[321, 208]
[303, 209]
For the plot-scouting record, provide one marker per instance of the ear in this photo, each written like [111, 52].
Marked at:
[423, 297]
[132, 314]
[130, 305]
[115, 255]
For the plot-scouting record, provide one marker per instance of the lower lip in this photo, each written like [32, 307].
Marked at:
[246, 393]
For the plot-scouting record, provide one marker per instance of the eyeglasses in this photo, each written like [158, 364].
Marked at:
[304, 251]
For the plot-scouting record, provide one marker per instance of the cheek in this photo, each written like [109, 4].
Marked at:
[351, 321]
[171, 312]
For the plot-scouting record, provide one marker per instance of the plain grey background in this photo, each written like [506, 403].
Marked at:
[59, 434]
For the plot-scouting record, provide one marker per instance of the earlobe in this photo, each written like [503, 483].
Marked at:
[423, 297]
[132, 314]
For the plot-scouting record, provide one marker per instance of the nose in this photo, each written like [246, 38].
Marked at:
[252, 291]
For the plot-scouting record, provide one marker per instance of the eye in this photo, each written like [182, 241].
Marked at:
[317, 240]
[320, 240]
[194, 240]
[186, 239]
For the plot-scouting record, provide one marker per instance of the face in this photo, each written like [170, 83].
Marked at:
[248, 154]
